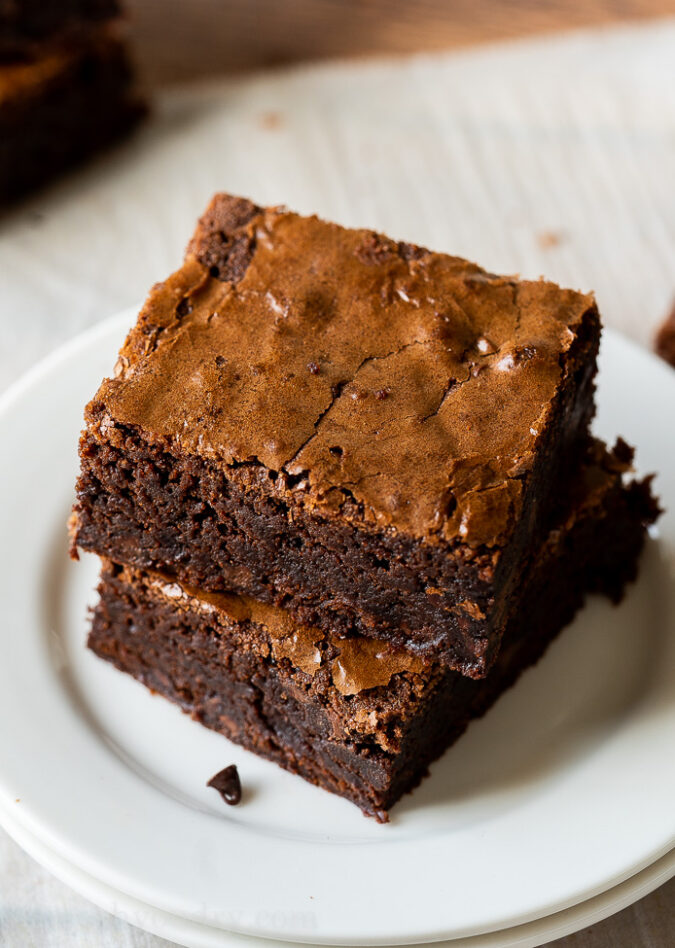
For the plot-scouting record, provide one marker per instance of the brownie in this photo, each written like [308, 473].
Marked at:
[60, 108]
[361, 431]
[664, 342]
[25, 25]
[354, 715]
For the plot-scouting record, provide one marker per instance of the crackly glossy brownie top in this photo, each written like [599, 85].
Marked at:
[414, 383]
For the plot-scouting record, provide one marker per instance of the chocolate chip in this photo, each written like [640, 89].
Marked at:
[228, 784]
[382, 393]
[313, 368]
[271, 121]
[184, 308]
[549, 238]
[525, 353]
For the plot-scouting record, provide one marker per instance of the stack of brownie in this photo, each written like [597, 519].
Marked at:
[344, 492]
[66, 87]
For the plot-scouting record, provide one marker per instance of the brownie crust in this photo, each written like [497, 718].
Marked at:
[304, 408]
[354, 716]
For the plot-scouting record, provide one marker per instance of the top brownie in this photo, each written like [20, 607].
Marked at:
[363, 431]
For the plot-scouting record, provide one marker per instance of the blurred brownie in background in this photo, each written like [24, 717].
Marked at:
[66, 88]
[664, 342]
[26, 24]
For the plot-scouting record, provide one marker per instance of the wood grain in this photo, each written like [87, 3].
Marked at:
[650, 923]
[182, 39]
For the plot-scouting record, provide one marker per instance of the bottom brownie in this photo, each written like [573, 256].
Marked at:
[351, 715]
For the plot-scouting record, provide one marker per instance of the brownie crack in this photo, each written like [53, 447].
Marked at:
[338, 389]
[451, 385]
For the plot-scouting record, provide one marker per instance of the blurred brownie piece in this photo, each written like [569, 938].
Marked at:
[665, 339]
[25, 25]
[66, 91]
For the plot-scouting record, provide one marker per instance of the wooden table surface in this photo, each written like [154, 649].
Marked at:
[177, 40]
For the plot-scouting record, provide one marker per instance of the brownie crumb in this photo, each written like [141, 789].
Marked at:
[623, 452]
[664, 343]
[271, 121]
[549, 238]
[228, 784]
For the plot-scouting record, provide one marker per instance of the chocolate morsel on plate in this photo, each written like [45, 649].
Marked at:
[228, 784]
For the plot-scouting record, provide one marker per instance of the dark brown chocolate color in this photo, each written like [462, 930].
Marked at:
[363, 431]
[364, 726]
[228, 784]
[26, 25]
[665, 338]
[59, 109]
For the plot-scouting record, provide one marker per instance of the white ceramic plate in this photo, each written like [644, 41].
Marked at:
[197, 935]
[563, 791]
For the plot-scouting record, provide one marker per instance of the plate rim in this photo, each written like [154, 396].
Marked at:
[162, 924]
[528, 935]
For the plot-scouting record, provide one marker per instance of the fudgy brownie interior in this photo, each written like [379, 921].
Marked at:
[353, 715]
